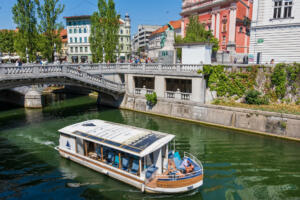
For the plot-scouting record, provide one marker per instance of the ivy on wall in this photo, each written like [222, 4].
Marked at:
[284, 76]
[284, 79]
[228, 84]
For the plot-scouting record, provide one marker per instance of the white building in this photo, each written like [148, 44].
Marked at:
[124, 37]
[155, 38]
[79, 30]
[140, 40]
[275, 31]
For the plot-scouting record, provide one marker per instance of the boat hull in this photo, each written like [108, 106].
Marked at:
[176, 186]
[163, 187]
[176, 190]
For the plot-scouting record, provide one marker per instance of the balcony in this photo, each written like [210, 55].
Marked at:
[143, 91]
[178, 95]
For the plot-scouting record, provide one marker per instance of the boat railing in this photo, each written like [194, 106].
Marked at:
[195, 159]
[176, 176]
[180, 175]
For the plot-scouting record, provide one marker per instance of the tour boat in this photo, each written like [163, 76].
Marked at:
[136, 156]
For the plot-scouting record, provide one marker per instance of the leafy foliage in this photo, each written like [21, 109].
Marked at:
[229, 83]
[151, 98]
[195, 32]
[105, 32]
[278, 80]
[49, 28]
[254, 97]
[7, 41]
[293, 76]
[27, 35]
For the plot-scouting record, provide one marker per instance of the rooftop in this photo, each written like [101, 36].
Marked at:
[63, 35]
[175, 24]
[136, 141]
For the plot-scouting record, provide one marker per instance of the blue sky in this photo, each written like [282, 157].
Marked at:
[156, 12]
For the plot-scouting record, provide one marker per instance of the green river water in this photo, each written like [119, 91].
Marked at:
[236, 165]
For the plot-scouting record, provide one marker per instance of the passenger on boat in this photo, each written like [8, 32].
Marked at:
[188, 166]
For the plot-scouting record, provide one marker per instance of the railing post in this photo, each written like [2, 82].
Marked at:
[178, 94]
[144, 91]
[2, 71]
[159, 67]
[35, 69]
[177, 67]
[64, 69]
[130, 66]
[144, 67]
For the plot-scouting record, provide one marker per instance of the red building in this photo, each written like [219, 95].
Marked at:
[229, 20]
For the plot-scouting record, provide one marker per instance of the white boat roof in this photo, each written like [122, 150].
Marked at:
[129, 139]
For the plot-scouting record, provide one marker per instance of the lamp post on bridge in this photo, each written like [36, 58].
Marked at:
[0, 56]
[27, 56]
[55, 54]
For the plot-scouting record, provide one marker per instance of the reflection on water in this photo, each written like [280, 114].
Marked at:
[237, 166]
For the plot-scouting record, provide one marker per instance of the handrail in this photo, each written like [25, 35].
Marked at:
[26, 72]
[189, 155]
[122, 67]
[174, 177]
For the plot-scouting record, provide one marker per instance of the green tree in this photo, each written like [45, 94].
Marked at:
[48, 14]
[105, 32]
[195, 32]
[97, 32]
[27, 35]
[7, 41]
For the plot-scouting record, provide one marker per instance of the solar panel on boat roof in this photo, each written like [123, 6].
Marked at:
[144, 142]
[112, 143]
[131, 149]
[127, 138]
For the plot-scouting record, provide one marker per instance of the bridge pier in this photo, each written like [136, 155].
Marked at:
[33, 99]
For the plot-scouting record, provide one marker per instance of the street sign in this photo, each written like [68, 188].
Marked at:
[260, 40]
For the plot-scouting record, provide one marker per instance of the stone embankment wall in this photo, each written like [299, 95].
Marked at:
[261, 122]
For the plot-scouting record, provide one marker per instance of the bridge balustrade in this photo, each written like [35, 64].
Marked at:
[72, 71]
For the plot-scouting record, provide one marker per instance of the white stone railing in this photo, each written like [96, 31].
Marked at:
[138, 91]
[143, 91]
[59, 71]
[178, 95]
[153, 68]
[170, 95]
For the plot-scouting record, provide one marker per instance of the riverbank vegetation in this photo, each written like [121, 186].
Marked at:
[272, 107]
[274, 89]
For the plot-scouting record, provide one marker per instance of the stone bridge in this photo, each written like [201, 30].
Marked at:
[11, 77]
[113, 81]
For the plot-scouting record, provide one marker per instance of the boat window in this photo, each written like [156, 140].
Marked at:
[115, 158]
[148, 160]
[163, 153]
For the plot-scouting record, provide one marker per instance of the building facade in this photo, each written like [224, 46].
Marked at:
[140, 40]
[229, 21]
[63, 53]
[275, 32]
[79, 30]
[124, 39]
[155, 38]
